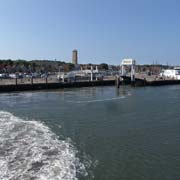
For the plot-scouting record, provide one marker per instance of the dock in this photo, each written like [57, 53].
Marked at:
[15, 85]
[48, 85]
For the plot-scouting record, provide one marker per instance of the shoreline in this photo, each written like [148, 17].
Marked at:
[59, 85]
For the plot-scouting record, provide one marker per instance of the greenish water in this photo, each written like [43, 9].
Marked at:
[110, 134]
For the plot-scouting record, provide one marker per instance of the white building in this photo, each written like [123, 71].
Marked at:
[171, 73]
[128, 62]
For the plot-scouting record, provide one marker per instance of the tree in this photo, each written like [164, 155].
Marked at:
[103, 66]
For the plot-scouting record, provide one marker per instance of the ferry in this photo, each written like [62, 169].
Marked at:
[171, 73]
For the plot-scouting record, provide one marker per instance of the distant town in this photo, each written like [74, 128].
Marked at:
[40, 68]
[43, 74]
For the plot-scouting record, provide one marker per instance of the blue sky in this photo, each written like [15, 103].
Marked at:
[101, 30]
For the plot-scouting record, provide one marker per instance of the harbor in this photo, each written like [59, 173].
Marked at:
[89, 90]
[58, 85]
[91, 76]
[43, 75]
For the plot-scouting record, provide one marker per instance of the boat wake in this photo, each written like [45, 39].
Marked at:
[30, 150]
[98, 100]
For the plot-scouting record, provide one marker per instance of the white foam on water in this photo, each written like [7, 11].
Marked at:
[29, 150]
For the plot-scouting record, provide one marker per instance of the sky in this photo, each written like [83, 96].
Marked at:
[101, 30]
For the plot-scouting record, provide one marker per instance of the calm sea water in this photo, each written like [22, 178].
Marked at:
[98, 133]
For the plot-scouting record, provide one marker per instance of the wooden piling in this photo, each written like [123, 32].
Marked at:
[117, 81]
[31, 80]
[46, 82]
[16, 82]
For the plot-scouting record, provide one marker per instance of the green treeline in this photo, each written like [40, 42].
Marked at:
[12, 66]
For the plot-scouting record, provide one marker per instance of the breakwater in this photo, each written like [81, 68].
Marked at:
[60, 85]
[162, 82]
[55, 85]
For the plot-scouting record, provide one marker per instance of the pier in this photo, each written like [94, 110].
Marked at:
[16, 85]
[51, 85]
